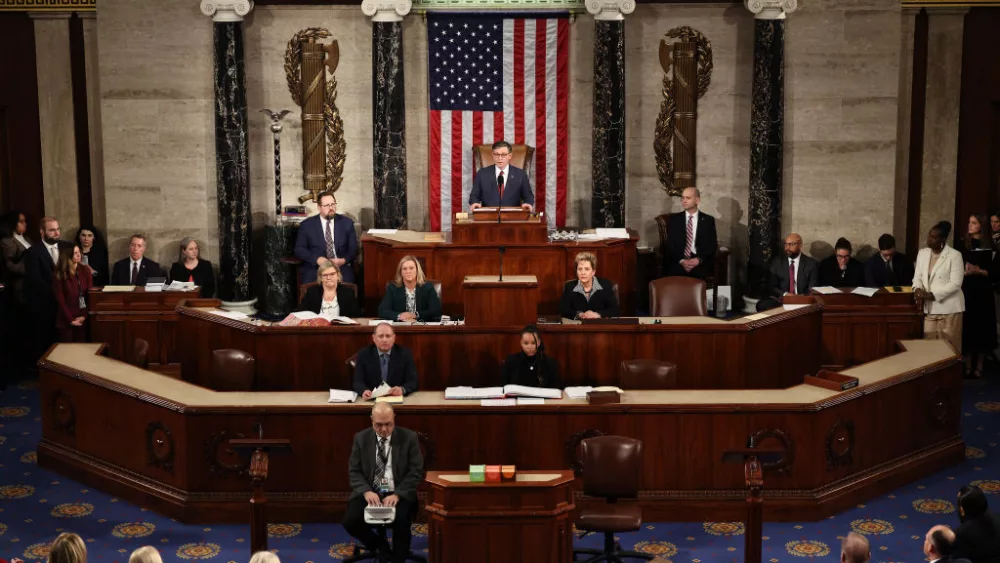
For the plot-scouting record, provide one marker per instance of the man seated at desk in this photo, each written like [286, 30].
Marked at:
[386, 467]
[409, 297]
[792, 274]
[384, 362]
[888, 267]
[136, 269]
[501, 185]
[531, 366]
[588, 297]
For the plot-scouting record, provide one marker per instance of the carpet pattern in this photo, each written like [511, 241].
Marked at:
[36, 505]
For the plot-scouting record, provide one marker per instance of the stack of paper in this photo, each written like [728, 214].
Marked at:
[498, 402]
[473, 393]
[118, 288]
[826, 290]
[522, 401]
[180, 286]
[525, 391]
[342, 396]
[866, 291]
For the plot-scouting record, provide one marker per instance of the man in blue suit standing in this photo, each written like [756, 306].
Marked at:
[501, 185]
[327, 237]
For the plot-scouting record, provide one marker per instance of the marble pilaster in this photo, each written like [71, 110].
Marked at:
[94, 118]
[388, 112]
[767, 116]
[608, 155]
[231, 150]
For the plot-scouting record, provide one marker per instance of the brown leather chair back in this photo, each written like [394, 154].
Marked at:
[677, 296]
[521, 157]
[648, 374]
[436, 284]
[305, 287]
[140, 353]
[611, 466]
[232, 370]
[661, 227]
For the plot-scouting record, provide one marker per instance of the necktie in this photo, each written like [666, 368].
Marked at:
[791, 277]
[385, 366]
[888, 266]
[690, 236]
[329, 241]
[500, 184]
[55, 254]
[381, 460]
[135, 273]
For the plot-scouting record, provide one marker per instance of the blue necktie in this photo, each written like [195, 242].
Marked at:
[385, 366]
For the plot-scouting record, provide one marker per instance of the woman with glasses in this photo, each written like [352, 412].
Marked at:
[330, 298]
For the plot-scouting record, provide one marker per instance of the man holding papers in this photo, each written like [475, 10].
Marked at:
[386, 467]
[384, 362]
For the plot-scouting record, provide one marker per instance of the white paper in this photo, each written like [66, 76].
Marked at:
[794, 307]
[523, 401]
[152, 288]
[382, 231]
[578, 392]
[604, 232]
[525, 391]
[180, 286]
[498, 402]
[373, 322]
[826, 290]
[118, 289]
[235, 315]
[305, 315]
[342, 396]
[381, 390]
[464, 392]
[866, 291]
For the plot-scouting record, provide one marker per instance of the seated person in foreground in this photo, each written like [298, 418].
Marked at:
[190, 267]
[330, 298]
[792, 274]
[384, 362]
[531, 367]
[978, 537]
[840, 270]
[385, 468]
[501, 185]
[409, 297]
[888, 267]
[136, 269]
[589, 297]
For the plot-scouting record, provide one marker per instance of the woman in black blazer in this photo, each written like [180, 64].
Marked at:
[589, 297]
[531, 366]
[94, 250]
[191, 268]
[409, 297]
[330, 297]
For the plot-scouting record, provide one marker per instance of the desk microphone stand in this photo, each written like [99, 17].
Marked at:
[753, 460]
[260, 448]
[502, 249]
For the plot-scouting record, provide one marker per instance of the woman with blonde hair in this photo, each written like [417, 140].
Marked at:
[68, 548]
[264, 557]
[145, 554]
[330, 298]
[409, 297]
[588, 296]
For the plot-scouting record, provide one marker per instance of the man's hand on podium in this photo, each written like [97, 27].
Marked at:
[527, 207]
[475, 206]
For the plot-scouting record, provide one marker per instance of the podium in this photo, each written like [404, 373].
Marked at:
[491, 302]
[753, 460]
[526, 520]
[500, 225]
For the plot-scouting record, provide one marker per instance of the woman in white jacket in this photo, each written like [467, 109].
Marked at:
[937, 287]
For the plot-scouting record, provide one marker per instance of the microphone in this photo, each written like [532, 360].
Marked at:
[502, 249]
[500, 182]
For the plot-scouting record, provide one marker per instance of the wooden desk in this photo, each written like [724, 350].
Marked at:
[450, 262]
[774, 351]
[526, 520]
[162, 442]
[118, 319]
[491, 302]
[858, 329]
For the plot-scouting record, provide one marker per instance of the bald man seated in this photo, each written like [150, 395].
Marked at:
[855, 549]
[384, 361]
[939, 545]
[385, 468]
[793, 273]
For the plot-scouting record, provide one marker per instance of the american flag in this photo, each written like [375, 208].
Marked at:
[496, 77]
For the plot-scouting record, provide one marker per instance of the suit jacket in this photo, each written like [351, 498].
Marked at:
[516, 188]
[310, 244]
[313, 301]
[405, 457]
[368, 371]
[806, 278]
[121, 274]
[13, 267]
[878, 275]
[38, 293]
[97, 261]
[831, 274]
[978, 539]
[945, 282]
[705, 242]
[602, 301]
[394, 302]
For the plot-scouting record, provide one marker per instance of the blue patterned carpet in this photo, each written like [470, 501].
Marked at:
[35, 505]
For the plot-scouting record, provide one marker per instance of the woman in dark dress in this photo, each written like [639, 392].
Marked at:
[979, 325]
[531, 366]
[191, 268]
[71, 281]
[94, 253]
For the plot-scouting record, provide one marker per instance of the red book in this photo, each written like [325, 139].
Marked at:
[492, 473]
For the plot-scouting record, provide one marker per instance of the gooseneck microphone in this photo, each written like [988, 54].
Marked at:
[502, 249]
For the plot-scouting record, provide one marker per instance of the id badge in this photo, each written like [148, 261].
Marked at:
[83, 303]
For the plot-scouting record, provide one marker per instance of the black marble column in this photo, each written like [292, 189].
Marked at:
[389, 125]
[767, 121]
[608, 162]
[232, 164]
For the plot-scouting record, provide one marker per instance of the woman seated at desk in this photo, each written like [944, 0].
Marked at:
[409, 297]
[191, 268]
[531, 366]
[330, 298]
[589, 297]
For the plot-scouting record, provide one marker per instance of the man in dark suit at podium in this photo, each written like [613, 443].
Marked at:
[384, 362]
[136, 269]
[501, 185]
[691, 239]
[328, 236]
[386, 467]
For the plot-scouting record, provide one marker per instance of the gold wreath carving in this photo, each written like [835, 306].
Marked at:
[663, 138]
[336, 145]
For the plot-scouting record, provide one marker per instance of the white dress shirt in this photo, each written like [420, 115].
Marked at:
[330, 308]
[390, 484]
[506, 176]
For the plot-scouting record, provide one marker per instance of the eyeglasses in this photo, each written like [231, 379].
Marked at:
[501, 154]
[328, 205]
[329, 276]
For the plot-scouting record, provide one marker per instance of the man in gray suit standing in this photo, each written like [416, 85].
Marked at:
[386, 467]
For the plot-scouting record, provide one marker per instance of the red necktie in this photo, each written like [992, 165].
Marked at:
[689, 243]
[791, 277]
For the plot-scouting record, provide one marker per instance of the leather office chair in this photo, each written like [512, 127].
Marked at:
[436, 284]
[140, 353]
[648, 374]
[522, 156]
[232, 370]
[305, 287]
[611, 467]
[677, 296]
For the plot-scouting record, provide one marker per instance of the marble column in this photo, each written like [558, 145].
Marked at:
[231, 151]
[767, 121]
[608, 158]
[388, 111]
[94, 118]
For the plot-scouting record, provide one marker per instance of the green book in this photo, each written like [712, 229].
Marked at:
[477, 473]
